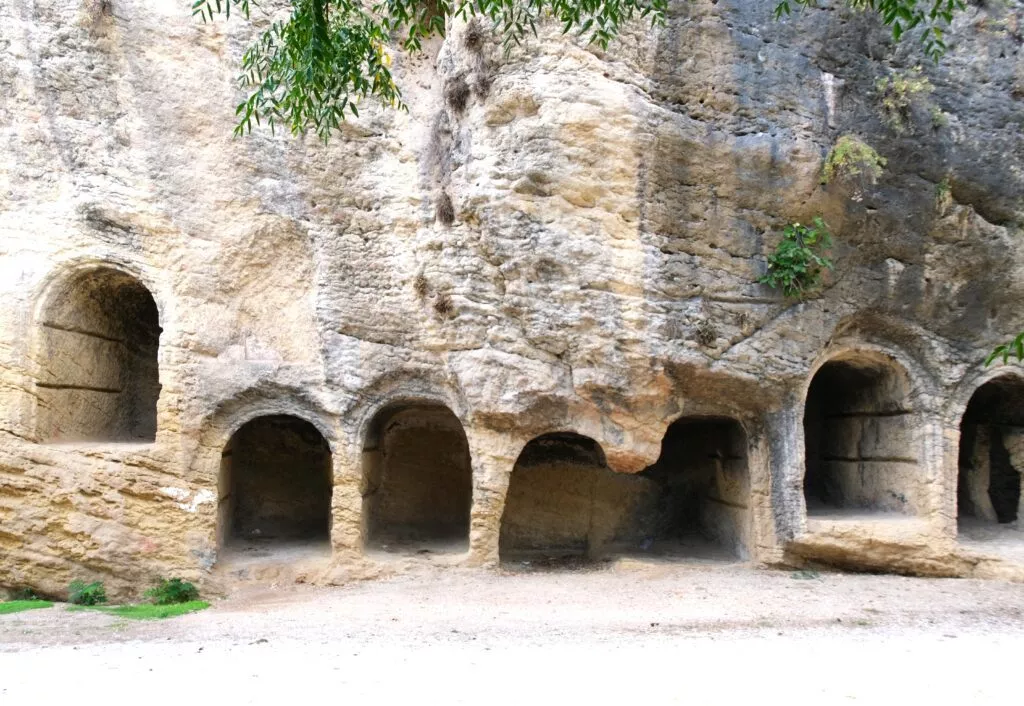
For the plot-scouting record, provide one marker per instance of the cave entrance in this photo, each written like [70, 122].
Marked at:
[99, 376]
[417, 481]
[991, 460]
[275, 489]
[563, 502]
[698, 506]
[859, 432]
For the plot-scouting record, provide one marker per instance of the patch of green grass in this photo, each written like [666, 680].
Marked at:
[8, 607]
[147, 611]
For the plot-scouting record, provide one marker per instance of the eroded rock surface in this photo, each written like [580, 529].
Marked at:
[561, 240]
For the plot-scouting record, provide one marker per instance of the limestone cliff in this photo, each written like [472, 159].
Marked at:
[557, 241]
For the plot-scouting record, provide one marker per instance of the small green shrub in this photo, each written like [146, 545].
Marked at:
[24, 593]
[897, 94]
[852, 161]
[172, 591]
[81, 593]
[797, 263]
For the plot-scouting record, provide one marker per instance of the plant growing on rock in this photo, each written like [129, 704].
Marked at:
[797, 264]
[943, 195]
[444, 306]
[897, 94]
[445, 211]
[853, 162]
[81, 593]
[309, 71]
[456, 94]
[421, 285]
[707, 334]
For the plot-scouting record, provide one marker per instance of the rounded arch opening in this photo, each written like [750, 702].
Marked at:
[991, 460]
[699, 506]
[556, 508]
[276, 480]
[565, 503]
[97, 360]
[861, 449]
[417, 480]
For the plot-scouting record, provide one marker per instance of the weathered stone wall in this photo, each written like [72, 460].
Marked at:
[611, 215]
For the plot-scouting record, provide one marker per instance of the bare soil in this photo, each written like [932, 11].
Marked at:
[633, 631]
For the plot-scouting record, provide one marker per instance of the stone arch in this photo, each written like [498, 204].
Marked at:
[397, 387]
[699, 504]
[887, 337]
[991, 456]
[863, 452]
[97, 357]
[417, 482]
[213, 456]
[265, 401]
[275, 482]
[58, 278]
[564, 501]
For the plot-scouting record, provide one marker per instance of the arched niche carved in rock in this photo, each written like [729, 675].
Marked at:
[701, 504]
[275, 485]
[861, 439]
[417, 480]
[564, 502]
[97, 359]
[991, 460]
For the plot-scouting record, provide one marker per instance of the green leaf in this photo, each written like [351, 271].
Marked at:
[797, 263]
[1013, 349]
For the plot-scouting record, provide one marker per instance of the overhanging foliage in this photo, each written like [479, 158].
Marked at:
[311, 70]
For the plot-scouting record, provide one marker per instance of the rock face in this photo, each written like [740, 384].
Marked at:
[556, 242]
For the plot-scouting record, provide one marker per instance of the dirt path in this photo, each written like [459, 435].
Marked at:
[656, 633]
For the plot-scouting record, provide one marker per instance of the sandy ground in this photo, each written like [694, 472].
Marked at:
[638, 632]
